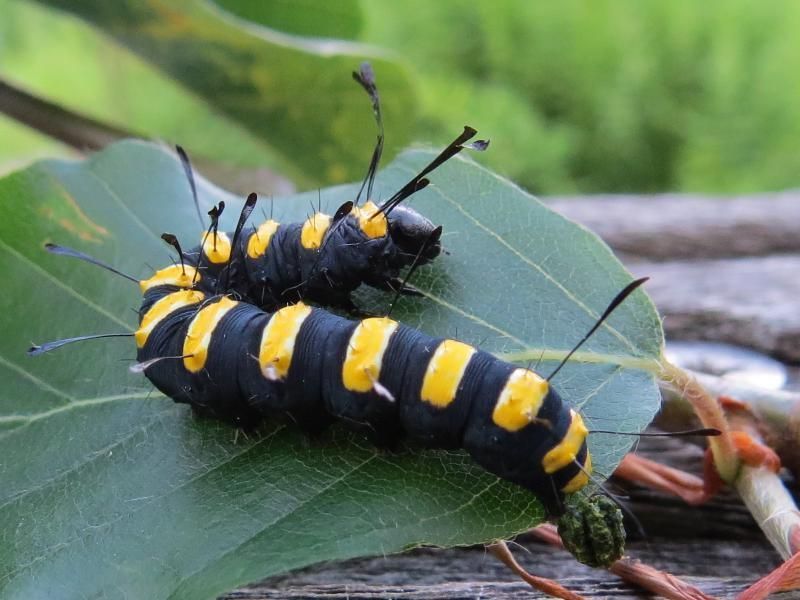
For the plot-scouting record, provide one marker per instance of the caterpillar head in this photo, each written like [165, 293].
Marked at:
[412, 233]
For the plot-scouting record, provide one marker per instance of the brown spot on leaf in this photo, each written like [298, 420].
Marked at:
[67, 214]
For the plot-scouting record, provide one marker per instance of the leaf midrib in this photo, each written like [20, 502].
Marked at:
[54, 280]
[74, 404]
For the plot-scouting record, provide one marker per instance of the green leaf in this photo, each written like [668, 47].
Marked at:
[110, 489]
[293, 94]
[340, 19]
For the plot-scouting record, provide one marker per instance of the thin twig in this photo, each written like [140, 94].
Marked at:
[502, 552]
[80, 132]
[708, 410]
[85, 135]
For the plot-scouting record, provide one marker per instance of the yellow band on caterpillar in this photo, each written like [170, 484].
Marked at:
[314, 230]
[177, 275]
[217, 247]
[277, 341]
[520, 400]
[198, 337]
[371, 226]
[565, 452]
[445, 372]
[259, 240]
[161, 309]
[362, 363]
[581, 479]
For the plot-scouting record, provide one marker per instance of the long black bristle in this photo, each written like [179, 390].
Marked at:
[72, 253]
[413, 186]
[187, 168]
[618, 299]
[365, 76]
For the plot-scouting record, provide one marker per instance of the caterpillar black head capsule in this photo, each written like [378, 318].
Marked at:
[410, 231]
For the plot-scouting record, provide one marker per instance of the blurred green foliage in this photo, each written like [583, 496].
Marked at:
[612, 95]
[314, 18]
[67, 61]
[577, 96]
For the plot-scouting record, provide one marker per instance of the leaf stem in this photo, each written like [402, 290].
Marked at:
[708, 410]
[776, 413]
[68, 127]
[651, 365]
[502, 552]
[761, 490]
[772, 506]
[634, 571]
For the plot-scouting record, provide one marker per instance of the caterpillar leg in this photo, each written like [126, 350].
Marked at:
[312, 424]
[353, 311]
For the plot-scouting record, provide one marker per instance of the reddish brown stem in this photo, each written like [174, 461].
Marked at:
[649, 473]
[502, 552]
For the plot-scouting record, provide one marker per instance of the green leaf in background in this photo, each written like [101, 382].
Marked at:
[340, 19]
[63, 59]
[288, 98]
[110, 489]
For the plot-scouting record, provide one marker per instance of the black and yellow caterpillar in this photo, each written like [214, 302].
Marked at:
[232, 361]
[205, 340]
[325, 258]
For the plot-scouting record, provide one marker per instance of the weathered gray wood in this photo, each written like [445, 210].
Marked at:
[671, 226]
[721, 269]
[471, 573]
[589, 587]
[752, 302]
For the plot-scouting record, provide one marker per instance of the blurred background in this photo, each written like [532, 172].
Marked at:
[580, 96]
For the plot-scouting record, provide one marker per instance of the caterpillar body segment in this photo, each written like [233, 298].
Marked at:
[326, 257]
[322, 259]
[232, 361]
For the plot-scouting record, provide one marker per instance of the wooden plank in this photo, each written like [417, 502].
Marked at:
[751, 302]
[683, 226]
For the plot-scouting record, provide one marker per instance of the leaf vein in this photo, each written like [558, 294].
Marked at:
[34, 379]
[117, 200]
[73, 404]
[278, 520]
[71, 291]
[65, 544]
